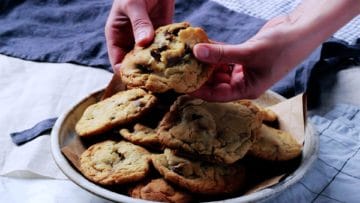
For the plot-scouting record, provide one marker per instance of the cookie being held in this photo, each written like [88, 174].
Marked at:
[216, 132]
[168, 63]
[121, 108]
[275, 145]
[110, 162]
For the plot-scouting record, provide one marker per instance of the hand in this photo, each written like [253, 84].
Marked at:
[133, 21]
[247, 70]
[278, 47]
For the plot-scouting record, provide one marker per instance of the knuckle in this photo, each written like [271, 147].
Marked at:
[219, 54]
[107, 29]
[140, 22]
[127, 5]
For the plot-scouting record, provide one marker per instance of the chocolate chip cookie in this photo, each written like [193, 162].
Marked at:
[142, 135]
[111, 162]
[121, 108]
[159, 190]
[198, 176]
[217, 132]
[168, 63]
[275, 145]
[267, 114]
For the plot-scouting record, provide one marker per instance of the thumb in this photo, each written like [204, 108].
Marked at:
[140, 22]
[220, 53]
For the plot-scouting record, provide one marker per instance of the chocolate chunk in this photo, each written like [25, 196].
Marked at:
[169, 36]
[156, 53]
[177, 30]
[188, 50]
[139, 103]
[173, 61]
[185, 58]
[144, 68]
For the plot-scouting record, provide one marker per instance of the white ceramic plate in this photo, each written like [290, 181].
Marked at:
[63, 133]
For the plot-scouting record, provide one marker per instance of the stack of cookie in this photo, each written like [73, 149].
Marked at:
[170, 146]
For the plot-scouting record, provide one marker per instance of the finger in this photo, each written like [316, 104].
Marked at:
[116, 55]
[242, 86]
[117, 28]
[221, 78]
[140, 21]
[225, 68]
[219, 53]
[116, 69]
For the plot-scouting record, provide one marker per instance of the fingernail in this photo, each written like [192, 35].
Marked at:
[141, 35]
[202, 52]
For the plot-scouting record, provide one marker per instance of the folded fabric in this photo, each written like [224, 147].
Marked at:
[336, 55]
[27, 135]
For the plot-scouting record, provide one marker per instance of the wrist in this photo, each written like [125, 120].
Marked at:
[318, 20]
[312, 23]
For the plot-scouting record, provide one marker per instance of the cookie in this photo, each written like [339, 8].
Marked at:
[141, 135]
[168, 63]
[217, 132]
[275, 145]
[110, 162]
[119, 109]
[267, 114]
[159, 190]
[198, 176]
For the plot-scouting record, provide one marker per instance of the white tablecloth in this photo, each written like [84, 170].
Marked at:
[29, 93]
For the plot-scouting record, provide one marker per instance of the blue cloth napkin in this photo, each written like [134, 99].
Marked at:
[27, 135]
[55, 30]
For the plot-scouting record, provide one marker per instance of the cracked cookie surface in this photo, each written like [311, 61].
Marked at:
[199, 176]
[121, 108]
[168, 63]
[111, 162]
[216, 132]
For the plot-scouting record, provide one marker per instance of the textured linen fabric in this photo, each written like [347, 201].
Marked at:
[55, 30]
[267, 9]
[335, 175]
